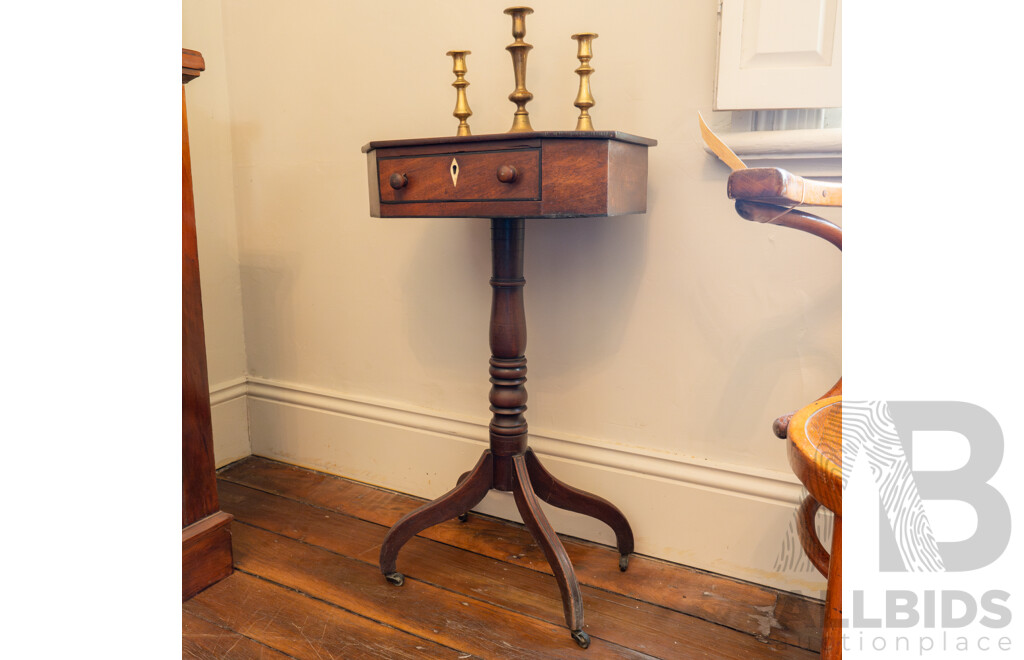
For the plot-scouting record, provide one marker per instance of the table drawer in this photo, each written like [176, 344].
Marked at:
[461, 177]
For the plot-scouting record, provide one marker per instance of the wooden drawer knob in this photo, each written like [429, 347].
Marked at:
[398, 181]
[507, 174]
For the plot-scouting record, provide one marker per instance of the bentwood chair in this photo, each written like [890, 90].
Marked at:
[770, 195]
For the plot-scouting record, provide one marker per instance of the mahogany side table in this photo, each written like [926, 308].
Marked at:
[509, 177]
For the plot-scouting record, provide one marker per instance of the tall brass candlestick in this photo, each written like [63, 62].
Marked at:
[519, 50]
[584, 99]
[462, 111]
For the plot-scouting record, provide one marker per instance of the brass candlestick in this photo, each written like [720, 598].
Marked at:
[462, 111]
[519, 50]
[584, 99]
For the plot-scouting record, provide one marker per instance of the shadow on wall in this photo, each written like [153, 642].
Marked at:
[447, 297]
[268, 280]
[585, 275]
[582, 275]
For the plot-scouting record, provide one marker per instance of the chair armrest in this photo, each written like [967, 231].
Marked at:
[773, 185]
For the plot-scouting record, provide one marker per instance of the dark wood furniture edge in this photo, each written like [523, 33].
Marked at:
[204, 526]
[199, 487]
[205, 553]
[533, 135]
[192, 64]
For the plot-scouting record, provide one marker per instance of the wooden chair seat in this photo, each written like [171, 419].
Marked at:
[816, 450]
[816, 456]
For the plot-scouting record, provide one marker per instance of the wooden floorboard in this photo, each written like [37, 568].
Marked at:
[301, 626]
[308, 585]
[203, 640]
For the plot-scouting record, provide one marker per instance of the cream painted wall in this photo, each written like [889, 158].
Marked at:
[210, 146]
[661, 345]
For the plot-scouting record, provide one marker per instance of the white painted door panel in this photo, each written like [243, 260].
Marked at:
[779, 54]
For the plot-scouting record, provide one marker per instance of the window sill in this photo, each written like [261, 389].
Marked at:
[805, 152]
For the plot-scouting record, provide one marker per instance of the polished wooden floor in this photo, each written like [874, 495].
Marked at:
[306, 585]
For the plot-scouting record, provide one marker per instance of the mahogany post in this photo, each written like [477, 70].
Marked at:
[205, 529]
[508, 348]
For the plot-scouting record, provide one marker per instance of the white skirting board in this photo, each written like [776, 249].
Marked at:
[230, 411]
[731, 520]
